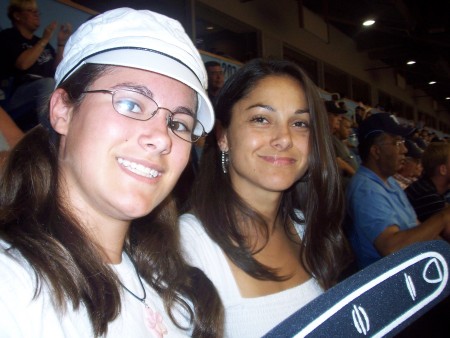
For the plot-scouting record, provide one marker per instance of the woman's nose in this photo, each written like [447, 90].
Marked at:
[156, 134]
[282, 138]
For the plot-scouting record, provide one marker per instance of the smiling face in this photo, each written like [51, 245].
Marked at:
[115, 167]
[268, 136]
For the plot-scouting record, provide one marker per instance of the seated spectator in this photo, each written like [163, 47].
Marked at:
[425, 135]
[415, 137]
[411, 168]
[360, 114]
[342, 149]
[10, 134]
[335, 114]
[215, 79]
[427, 195]
[265, 223]
[381, 219]
[30, 61]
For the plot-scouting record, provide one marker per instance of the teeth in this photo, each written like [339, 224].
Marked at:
[138, 168]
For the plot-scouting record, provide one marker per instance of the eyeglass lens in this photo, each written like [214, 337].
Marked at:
[141, 107]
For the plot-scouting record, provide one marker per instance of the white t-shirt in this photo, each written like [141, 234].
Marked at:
[21, 316]
[244, 317]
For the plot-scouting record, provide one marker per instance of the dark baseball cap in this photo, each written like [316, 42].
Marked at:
[332, 107]
[414, 150]
[382, 123]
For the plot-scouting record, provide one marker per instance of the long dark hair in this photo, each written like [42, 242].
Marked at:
[318, 194]
[38, 222]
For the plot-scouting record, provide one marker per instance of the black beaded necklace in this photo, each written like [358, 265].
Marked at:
[141, 299]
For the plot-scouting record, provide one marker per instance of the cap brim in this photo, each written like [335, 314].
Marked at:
[162, 64]
[413, 149]
[401, 131]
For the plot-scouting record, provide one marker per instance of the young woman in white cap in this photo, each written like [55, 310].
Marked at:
[88, 239]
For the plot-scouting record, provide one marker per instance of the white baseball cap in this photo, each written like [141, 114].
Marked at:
[139, 39]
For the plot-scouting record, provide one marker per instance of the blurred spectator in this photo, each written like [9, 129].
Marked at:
[381, 220]
[215, 79]
[427, 194]
[360, 114]
[334, 121]
[425, 135]
[415, 137]
[334, 115]
[411, 167]
[29, 61]
[342, 150]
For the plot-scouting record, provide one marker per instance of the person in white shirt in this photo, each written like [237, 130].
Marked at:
[88, 239]
[266, 209]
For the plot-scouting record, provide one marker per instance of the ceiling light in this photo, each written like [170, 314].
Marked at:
[410, 62]
[210, 28]
[447, 98]
[368, 22]
[432, 82]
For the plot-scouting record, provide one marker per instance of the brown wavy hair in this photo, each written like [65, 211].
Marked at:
[324, 251]
[39, 223]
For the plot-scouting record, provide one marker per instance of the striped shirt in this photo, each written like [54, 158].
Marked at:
[424, 198]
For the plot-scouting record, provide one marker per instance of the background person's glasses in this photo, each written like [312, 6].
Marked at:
[397, 143]
[138, 106]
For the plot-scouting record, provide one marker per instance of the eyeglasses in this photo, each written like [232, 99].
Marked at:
[138, 106]
[397, 143]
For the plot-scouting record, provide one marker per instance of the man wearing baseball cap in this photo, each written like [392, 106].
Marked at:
[380, 219]
[335, 116]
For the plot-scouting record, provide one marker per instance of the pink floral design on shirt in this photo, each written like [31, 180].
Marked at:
[155, 322]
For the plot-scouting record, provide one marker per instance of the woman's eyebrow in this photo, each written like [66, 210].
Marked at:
[184, 110]
[303, 111]
[135, 87]
[270, 108]
[260, 105]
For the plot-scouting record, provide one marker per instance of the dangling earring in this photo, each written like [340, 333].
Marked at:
[225, 160]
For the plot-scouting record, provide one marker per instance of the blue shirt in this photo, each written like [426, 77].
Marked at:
[372, 206]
